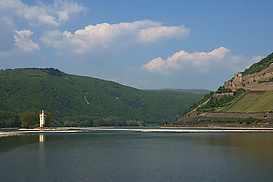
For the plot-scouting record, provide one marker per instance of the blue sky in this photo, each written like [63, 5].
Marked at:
[146, 44]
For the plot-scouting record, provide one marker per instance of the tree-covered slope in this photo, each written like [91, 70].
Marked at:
[262, 64]
[65, 95]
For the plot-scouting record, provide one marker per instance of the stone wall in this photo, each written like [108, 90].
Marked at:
[252, 82]
[259, 86]
[224, 116]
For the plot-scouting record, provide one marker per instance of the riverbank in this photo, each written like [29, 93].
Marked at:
[15, 132]
[4, 132]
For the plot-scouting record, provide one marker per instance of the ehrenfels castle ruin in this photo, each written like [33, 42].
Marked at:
[260, 81]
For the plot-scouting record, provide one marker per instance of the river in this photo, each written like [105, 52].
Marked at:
[133, 156]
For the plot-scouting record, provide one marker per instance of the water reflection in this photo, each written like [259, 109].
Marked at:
[137, 157]
[42, 161]
[41, 138]
[12, 142]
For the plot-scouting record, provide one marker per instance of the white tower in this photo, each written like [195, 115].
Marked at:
[42, 119]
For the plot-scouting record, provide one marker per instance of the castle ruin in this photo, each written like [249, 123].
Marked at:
[235, 83]
[260, 81]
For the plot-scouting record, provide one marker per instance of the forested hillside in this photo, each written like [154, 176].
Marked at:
[262, 64]
[84, 101]
[248, 98]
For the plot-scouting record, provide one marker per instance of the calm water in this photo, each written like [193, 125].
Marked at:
[137, 157]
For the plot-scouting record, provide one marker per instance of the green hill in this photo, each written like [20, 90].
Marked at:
[259, 66]
[86, 101]
[247, 95]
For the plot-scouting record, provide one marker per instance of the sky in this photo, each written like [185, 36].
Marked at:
[146, 44]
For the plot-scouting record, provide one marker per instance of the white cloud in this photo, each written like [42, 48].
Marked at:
[158, 65]
[197, 69]
[157, 33]
[53, 38]
[23, 42]
[41, 14]
[201, 62]
[178, 59]
[106, 35]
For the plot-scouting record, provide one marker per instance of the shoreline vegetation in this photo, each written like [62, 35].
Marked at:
[4, 132]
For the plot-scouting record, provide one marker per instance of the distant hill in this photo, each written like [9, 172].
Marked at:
[248, 94]
[193, 91]
[85, 101]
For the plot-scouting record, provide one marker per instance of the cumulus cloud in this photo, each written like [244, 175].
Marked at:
[107, 35]
[203, 62]
[53, 14]
[200, 62]
[178, 59]
[196, 69]
[23, 42]
[157, 33]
